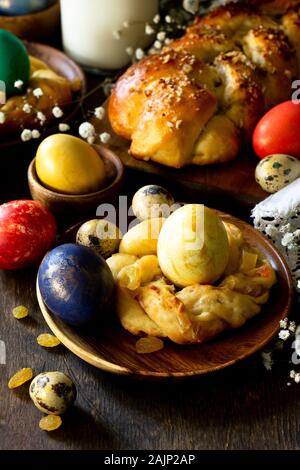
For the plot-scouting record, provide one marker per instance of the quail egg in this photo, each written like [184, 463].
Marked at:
[101, 236]
[152, 201]
[52, 392]
[277, 171]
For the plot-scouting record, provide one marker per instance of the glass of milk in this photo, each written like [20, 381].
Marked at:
[99, 33]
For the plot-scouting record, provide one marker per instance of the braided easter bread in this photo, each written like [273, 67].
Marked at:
[148, 303]
[199, 100]
[198, 312]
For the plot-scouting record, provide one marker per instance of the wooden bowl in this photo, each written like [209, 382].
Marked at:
[36, 26]
[72, 206]
[113, 349]
[65, 67]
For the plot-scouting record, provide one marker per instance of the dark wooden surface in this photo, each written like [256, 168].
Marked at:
[243, 407]
[233, 180]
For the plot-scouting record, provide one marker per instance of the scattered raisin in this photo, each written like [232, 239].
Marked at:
[20, 378]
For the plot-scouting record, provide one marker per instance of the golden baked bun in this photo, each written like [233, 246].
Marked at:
[273, 7]
[162, 104]
[199, 100]
[193, 246]
[57, 91]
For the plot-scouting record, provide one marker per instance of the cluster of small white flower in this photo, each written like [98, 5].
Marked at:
[99, 113]
[295, 376]
[57, 112]
[88, 132]
[38, 93]
[157, 29]
[287, 328]
[288, 331]
[19, 84]
[62, 127]
[28, 134]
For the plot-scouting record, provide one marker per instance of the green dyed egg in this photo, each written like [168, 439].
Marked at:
[14, 63]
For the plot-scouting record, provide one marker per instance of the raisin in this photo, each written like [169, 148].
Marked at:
[20, 312]
[149, 345]
[50, 423]
[48, 341]
[20, 378]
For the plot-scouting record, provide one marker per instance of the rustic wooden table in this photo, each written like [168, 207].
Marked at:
[244, 407]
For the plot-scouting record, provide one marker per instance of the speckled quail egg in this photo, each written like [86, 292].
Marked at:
[101, 236]
[277, 171]
[152, 201]
[52, 392]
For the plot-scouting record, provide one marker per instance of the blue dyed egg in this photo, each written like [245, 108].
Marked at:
[76, 284]
[23, 7]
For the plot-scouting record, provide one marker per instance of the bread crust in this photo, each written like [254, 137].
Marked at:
[199, 100]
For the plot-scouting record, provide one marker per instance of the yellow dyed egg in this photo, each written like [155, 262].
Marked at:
[193, 246]
[69, 165]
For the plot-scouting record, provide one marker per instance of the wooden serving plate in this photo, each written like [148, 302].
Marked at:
[231, 181]
[35, 26]
[65, 67]
[113, 349]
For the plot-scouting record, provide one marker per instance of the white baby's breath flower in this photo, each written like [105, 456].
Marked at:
[156, 19]
[2, 117]
[149, 30]
[129, 51]
[191, 6]
[41, 117]
[284, 335]
[27, 108]
[292, 327]
[86, 130]
[157, 45]
[139, 53]
[26, 135]
[168, 41]
[283, 323]
[38, 92]
[161, 36]
[63, 127]
[99, 112]
[168, 19]
[57, 112]
[298, 284]
[292, 374]
[297, 378]
[36, 134]
[105, 137]
[19, 84]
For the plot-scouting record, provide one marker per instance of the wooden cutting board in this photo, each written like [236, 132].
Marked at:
[233, 181]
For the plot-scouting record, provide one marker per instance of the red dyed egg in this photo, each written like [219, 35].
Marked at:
[27, 231]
